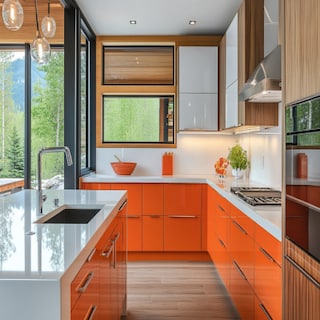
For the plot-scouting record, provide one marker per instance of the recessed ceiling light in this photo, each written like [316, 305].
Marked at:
[133, 21]
[192, 22]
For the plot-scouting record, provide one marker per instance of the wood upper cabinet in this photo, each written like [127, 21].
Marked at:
[301, 49]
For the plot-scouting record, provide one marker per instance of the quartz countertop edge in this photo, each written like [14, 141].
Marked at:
[268, 217]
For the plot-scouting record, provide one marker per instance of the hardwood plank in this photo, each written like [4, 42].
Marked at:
[177, 290]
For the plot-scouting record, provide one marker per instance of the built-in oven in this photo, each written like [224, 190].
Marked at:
[302, 122]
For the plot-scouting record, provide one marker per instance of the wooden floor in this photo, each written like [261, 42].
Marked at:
[176, 290]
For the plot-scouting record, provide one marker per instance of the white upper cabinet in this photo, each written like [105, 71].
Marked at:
[198, 69]
[232, 52]
[198, 88]
[231, 101]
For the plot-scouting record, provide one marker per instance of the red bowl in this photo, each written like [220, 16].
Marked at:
[123, 168]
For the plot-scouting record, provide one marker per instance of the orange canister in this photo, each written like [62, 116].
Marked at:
[302, 166]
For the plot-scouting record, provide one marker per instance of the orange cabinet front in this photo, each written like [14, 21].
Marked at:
[241, 292]
[152, 233]
[152, 199]
[182, 233]
[242, 246]
[134, 213]
[134, 232]
[260, 312]
[94, 186]
[268, 282]
[183, 199]
[85, 289]
[134, 196]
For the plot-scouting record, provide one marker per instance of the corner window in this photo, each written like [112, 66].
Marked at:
[138, 119]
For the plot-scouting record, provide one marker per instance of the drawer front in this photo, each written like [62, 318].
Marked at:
[152, 233]
[268, 283]
[182, 233]
[242, 249]
[271, 245]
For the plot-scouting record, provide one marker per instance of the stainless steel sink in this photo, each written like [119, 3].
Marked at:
[70, 214]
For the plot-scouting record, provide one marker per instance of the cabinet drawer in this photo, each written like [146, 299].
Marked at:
[182, 233]
[268, 283]
[241, 292]
[183, 199]
[85, 280]
[269, 244]
[243, 221]
[242, 249]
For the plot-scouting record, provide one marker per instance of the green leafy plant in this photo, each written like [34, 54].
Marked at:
[238, 158]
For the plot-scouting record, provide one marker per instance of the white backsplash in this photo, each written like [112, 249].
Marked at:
[197, 153]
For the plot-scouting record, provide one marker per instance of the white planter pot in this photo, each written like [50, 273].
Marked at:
[238, 173]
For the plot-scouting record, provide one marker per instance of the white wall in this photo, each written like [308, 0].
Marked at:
[197, 153]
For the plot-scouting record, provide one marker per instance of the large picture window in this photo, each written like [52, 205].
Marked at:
[138, 119]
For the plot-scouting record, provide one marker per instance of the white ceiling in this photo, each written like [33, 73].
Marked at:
[158, 17]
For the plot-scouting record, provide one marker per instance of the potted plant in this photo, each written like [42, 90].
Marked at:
[238, 160]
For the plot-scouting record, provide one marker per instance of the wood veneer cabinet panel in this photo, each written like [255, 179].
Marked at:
[301, 293]
[302, 48]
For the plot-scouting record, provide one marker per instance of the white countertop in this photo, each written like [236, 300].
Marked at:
[268, 217]
[38, 251]
[36, 259]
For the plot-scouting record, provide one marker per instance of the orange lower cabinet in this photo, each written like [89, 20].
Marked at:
[85, 289]
[182, 233]
[94, 186]
[241, 292]
[152, 233]
[242, 249]
[134, 236]
[268, 282]
[260, 312]
[221, 260]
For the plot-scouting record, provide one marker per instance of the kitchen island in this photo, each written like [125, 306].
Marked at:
[40, 261]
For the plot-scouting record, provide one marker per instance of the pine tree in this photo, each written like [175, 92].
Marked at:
[15, 155]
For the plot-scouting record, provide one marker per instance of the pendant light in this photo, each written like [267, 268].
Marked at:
[12, 14]
[48, 25]
[40, 47]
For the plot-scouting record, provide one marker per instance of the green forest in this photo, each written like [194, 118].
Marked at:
[47, 114]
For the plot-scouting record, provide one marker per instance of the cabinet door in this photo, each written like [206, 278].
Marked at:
[134, 232]
[152, 198]
[95, 186]
[198, 69]
[182, 233]
[232, 52]
[260, 312]
[134, 213]
[134, 196]
[198, 111]
[183, 199]
[231, 112]
[152, 233]
[302, 49]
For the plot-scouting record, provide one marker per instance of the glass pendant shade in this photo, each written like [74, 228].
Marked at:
[48, 26]
[40, 50]
[12, 14]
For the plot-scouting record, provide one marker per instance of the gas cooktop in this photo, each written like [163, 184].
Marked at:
[258, 196]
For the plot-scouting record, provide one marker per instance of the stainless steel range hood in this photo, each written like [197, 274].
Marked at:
[264, 84]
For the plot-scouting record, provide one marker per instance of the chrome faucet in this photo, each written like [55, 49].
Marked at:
[68, 155]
